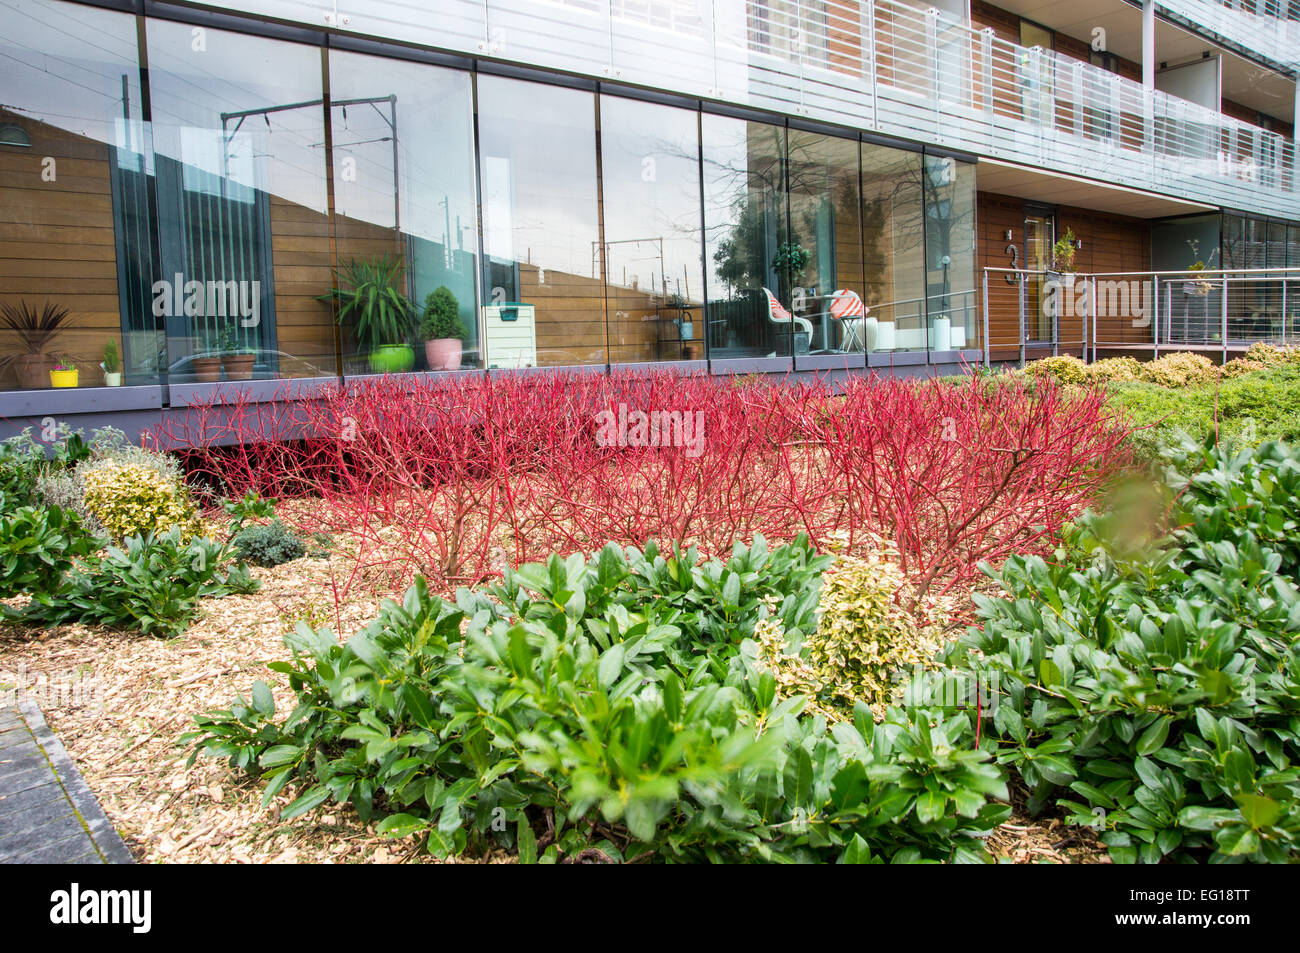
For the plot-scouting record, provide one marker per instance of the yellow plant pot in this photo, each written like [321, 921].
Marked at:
[64, 378]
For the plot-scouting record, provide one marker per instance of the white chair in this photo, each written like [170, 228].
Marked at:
[777, 314]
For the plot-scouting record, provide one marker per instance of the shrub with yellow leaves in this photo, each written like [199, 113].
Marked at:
[1179, 370]
[1065, 368]
[1115, 369]
[867, 641]
[133, 498]
[1271, 356]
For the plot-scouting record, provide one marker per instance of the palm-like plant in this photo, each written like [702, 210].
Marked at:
[37, 330]
[369, 293]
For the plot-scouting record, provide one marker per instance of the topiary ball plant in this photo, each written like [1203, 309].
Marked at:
[268, 545]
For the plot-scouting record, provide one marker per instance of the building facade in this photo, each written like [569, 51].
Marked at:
[213, 198]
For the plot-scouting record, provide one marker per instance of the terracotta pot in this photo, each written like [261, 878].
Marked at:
[443, 354]
[33, 370]
[207, 370]
[239, 367]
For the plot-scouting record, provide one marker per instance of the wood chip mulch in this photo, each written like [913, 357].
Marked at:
[119, 701]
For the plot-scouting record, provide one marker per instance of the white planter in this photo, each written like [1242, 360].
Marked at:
[113, 380]
[940, 334]
[879, 335]
[957, 338]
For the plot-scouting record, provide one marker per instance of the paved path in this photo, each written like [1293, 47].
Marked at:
[47, 813]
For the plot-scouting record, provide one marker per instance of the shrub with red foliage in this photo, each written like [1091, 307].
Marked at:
[454, 477]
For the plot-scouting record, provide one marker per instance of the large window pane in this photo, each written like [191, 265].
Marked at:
[651, 176]
[404, 204]
[749, 255]
[950, 252]
[825, 228]
[894, 240]
[75, 168]
[544, 300]
[243, 225]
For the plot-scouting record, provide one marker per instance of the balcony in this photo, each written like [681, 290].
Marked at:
[886, 66]
[1253, 26]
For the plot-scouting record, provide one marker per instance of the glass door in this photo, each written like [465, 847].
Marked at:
[1039, 232]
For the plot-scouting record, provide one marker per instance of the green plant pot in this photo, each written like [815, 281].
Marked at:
[392, 359]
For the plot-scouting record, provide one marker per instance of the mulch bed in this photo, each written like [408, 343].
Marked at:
[133, 696]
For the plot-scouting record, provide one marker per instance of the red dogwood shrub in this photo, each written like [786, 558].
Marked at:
[455, 477]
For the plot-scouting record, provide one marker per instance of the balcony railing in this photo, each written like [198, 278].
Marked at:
[888, 66]
[1258, 26]
[1214, 311]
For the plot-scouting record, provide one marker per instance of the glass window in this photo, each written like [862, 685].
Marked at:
[544, 301]
[894, 243]
[749, 252]
[243, 220]
[825, 227]
[651, 191]
[404, 209]
[75, 164]
[951, 304]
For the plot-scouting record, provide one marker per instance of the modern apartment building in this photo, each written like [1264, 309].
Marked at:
[724, 185]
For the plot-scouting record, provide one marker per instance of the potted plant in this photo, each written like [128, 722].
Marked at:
[206, 363]
[63, 374]
[442, 330]
[236, 356]
[369, 294]
[112, 364]
[36, 331]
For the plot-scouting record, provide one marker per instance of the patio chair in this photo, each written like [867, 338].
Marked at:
[777, 314]
[851, 313]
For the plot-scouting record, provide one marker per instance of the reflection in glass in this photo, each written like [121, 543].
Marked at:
[825, 229]
[242, 205]
[950, 252]
[651, 177]
[894, 242]
[544, 301]
[750, 257]
[403, 138]
[75, 174]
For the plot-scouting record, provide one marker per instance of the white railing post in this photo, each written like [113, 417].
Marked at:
[932, 61]
[986, 83]
[1155, 313]
[986, 318]
[1224, 325]
[870, 52]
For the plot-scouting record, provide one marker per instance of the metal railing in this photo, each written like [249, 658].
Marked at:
[1214, 310]
[1257, 26]
[886, 65]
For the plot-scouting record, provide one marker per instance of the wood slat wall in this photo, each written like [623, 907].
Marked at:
[56, 240]
[1111, 243]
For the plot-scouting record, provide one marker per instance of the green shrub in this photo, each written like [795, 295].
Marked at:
[21, 463]
[151, 583]
[442, 316]
[268, 545]
[617, 703]
[37, 546]
[1251, 409]
[1153, 689]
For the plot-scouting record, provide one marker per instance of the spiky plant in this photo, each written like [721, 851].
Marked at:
[370, 292]
[37, 330]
